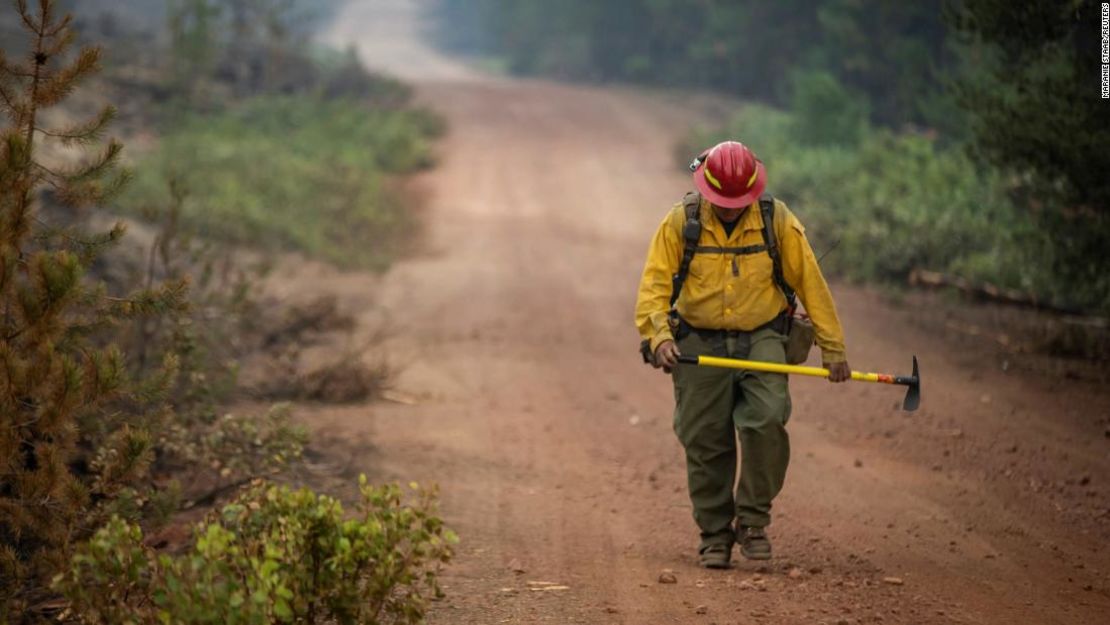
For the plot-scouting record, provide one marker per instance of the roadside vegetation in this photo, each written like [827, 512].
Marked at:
[117, 368]
[964, 138]
[302, 173]
[280, 145]
[274, 555]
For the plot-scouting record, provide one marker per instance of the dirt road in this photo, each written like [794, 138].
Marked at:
[553, 445]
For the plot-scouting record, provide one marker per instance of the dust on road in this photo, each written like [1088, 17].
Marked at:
[553, 445]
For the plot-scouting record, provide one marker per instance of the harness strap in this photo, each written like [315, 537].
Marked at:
[747, 249]
[691, 233]
[767, 211]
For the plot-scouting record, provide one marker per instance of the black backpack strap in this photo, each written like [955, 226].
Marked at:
[767, 211]
[691, 233]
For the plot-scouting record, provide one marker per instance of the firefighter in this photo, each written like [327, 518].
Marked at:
[718, 282]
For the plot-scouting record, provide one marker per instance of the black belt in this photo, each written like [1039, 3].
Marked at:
[780, 324]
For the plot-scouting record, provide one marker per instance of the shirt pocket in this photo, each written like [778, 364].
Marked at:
[702, 268]
[755, 271]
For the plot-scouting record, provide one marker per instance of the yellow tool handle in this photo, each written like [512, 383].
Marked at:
[773, 367]
[913, 393]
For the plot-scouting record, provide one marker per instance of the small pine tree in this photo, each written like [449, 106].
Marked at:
[62, 453]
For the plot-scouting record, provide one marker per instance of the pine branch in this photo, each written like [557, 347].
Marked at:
[156, 387]
[104, 374]
[56, 275]
[66, 22]
[90, 183]
[21, 72]
[171, 296]
[85, 132]
[11, 102]
[82, 193]
[60, 42]
[87, 247]
[46, 11]
[101, 165]
[55, 87]
[25, 15]
[27, 124]
[50, 173]
[123, 457]
[116, 184]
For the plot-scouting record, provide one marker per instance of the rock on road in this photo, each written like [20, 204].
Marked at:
[511, 325]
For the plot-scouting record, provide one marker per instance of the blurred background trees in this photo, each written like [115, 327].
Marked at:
[893, 52]
[1006, 94]
[1032, 96]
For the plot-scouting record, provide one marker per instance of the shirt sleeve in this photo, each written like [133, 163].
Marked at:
[803, 274]
[653, 302]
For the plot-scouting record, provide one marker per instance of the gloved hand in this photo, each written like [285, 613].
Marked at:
[838, 371]
[666, 355]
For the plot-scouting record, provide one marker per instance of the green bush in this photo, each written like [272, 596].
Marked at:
[900, 202]
[825, 112]
[274, 555]
[295, 173]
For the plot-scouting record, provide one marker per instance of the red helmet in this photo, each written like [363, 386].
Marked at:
[729, 175]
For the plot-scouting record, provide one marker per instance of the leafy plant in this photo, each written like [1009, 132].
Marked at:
[273, 555]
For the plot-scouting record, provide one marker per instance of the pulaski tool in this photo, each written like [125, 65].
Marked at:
[913, 393]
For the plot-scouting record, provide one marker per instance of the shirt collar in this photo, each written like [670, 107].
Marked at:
[750, 219]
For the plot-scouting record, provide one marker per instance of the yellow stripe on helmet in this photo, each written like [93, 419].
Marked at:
[708, 176]
[751, 181]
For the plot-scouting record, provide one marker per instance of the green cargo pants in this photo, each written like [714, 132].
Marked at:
[711, 407]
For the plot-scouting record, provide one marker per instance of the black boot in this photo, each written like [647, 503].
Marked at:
[715, 556]
[754, 544]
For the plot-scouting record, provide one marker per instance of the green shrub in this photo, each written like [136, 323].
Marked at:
[826, 112]
[274, 555]
[294, 173]
[341, 75]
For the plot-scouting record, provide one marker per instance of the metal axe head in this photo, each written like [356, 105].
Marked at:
[913, 393]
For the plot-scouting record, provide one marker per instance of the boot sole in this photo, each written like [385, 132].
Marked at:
[716, 559]
[755, 556]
